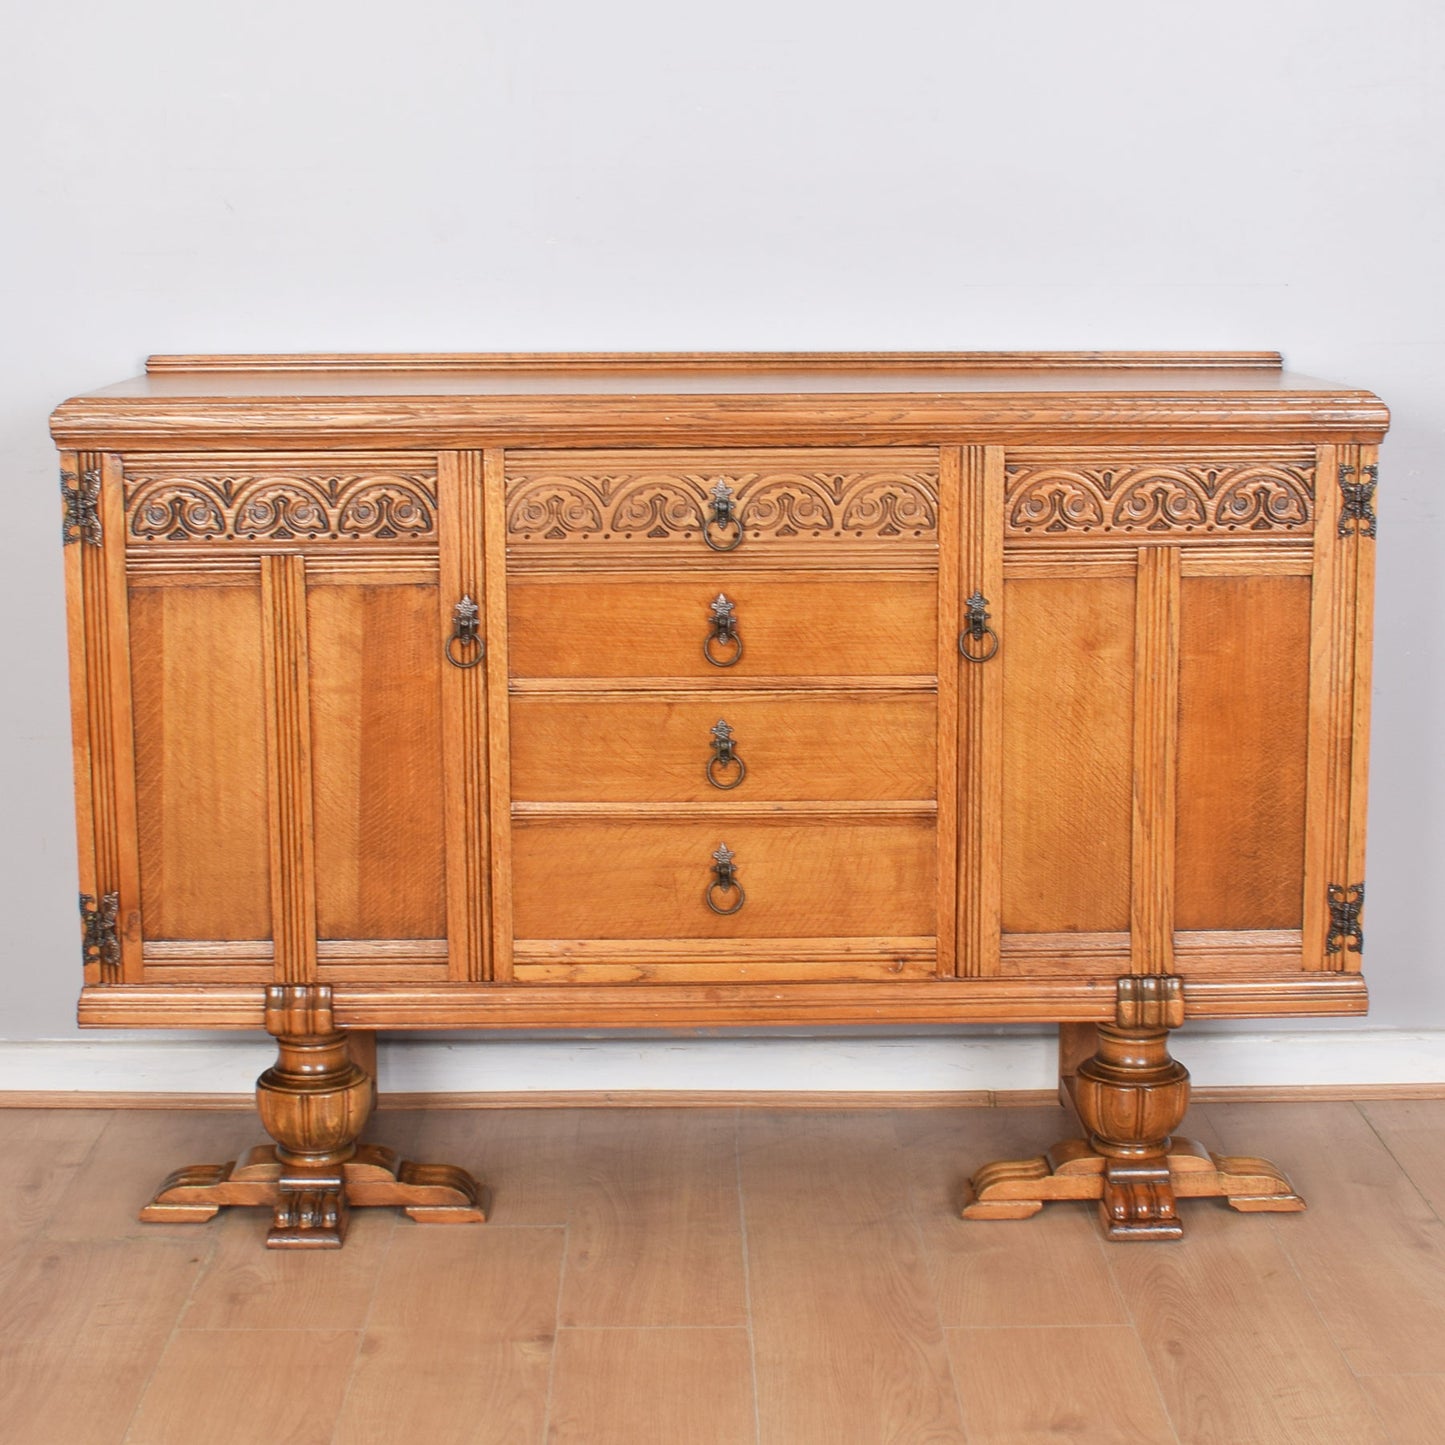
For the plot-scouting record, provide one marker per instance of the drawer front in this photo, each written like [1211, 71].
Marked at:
[684, 504]
[682, 748]
[798, 625]
[641, 878]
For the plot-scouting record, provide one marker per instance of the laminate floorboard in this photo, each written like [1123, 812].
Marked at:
[726, 1277]
[652, 1387]
[1370, 1251]
[1033, 1386]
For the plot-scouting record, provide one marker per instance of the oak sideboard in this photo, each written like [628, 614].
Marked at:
[519, 691]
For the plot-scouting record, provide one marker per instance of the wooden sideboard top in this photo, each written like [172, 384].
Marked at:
[855, 397]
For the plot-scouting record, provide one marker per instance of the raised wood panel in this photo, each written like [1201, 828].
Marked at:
[795, 747]
[820, 624]
[200, 737]
[375, 689]
[620, 878]
[1068, 683]
[1243, 720]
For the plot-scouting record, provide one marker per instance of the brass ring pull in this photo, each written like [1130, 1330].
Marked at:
[724, 757]
[466, 617]
[724, 882]
[716, 887]
[978, 641]
[724, 634]
[455, 644]
[725, 515]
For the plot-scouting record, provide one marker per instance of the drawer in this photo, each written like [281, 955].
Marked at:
[618, 877]
[660, 748]
[767, 503]
[823, 624]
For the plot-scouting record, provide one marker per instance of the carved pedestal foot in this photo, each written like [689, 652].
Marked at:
[1131, 1096]
[314, 1102]
[304, 1215]
[1017, 1188]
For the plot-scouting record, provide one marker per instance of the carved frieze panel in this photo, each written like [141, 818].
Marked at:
[674, 500]
[1245, 497]
[262, 504]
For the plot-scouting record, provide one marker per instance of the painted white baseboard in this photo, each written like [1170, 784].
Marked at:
[1017, 1059]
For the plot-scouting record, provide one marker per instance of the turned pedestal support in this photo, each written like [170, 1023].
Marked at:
[314, 1102]
[1130, 1096]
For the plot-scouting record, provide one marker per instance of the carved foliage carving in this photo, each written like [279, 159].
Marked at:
[1047, 499]
[874, 505]
[281, 507]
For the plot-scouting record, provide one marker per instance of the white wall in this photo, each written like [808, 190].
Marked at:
[497, 174]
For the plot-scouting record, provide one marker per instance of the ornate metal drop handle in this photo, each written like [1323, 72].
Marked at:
[723, 530]
[978, 641]
[466, 617]
[724, 634]
[724, 882]
[724, 759]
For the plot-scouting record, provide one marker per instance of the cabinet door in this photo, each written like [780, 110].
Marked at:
[278, 782]
[1176, 731]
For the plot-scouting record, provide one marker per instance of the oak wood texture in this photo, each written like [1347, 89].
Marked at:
[402, 680]
[314, 1102]
[1233, 1344]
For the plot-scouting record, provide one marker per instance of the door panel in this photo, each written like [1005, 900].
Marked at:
[376, 724]
[1068, 678]
[200, 740]
[1243, 719]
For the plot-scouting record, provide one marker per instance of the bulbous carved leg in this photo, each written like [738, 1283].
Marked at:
[314, 1102]
[1131, 1096]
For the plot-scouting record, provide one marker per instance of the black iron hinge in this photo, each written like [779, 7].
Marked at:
[100, 934]
[1357, 509]
[1346, 903]
[81, 495]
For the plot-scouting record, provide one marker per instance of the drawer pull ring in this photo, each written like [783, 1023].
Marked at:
[978, 641]
[724, 634]
[724, 882]
[724, 759]
[724, 529]
[466, 616]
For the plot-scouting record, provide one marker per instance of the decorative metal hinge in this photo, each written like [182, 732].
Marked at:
[100, 934]
[81, 522]
[1357, 510]
[1346, 934]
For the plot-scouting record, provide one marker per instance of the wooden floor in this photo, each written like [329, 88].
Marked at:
[715, 1277]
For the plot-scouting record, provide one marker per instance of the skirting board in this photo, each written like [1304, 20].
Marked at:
[979, 1068]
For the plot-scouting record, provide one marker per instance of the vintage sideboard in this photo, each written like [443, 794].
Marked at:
[517, 691]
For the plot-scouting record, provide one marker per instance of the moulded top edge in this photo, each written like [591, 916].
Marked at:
[624, 361]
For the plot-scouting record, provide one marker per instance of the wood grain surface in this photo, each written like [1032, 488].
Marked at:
[857, 1307]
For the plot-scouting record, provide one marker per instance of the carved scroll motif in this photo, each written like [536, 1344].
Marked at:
[1048, 499]
[554, 507]
[281, 507]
